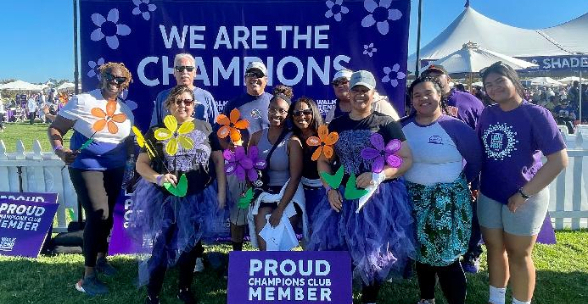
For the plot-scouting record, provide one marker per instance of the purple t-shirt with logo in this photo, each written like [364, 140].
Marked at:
[513, 144]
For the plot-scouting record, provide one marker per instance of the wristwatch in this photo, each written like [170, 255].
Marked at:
[523, 194]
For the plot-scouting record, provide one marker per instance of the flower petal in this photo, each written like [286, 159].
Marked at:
[370, 5]
[223, 132]
[112, 127]
[146, 16]
[330, 3]
[110, 108]
[317, 153]
[246, 163]
[97, 35]
[329, 14]
[323, 131]
[136, 11]
[394, 14]
[235, 135]
[99, 125]
[383, 27]
[337, 17]
[377, 141]
[239, 153]
[252, 152]
[230, 168]
[394, 161]
[113, 15]
[385, 3]
[260, 164]
[119, 117]
[170, 123]
[394, 82]
[242, 124]
[186, 127]
[97, 112]
[328, 151]
[240, 172]
[369, 153]
[223, 120]
[252, 175]
[235, 114]
[162, 134]
[344, 10]
[393, 146]
[172, 146]
[112, 42]
[331, 139]
[313, 141]
[368, 21]
[378, 164]
[228, 155]
[123, 29]
[186, 142]
[97, 19]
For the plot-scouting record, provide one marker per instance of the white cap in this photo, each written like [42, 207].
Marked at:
[257, 65]
[342, 73]
[364, 78]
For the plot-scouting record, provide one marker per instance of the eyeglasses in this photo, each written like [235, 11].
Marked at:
[187, 102]
[306, 112]
[254, 74]
[183, 68]
[340, 81]
[277, 111]
[119, 80]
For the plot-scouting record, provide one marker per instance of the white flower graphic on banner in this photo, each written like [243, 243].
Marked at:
[336, 9]
[369, 49]
[393, 79]
[94, 67]
[379, 14]
[143, 8]
[108, 27]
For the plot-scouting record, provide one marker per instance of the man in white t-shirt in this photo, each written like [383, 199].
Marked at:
[32, 108]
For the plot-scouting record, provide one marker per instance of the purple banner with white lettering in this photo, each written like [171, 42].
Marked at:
[120, 242]
[558, 63]
[289, 277]
[25, 219]
[301, 42]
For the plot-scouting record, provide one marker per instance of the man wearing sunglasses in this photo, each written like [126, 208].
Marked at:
[468, 109]
[184, 73]
[340, 86]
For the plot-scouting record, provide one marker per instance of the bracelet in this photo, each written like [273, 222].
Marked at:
[523, 194]
[58, 147]
[328, 188]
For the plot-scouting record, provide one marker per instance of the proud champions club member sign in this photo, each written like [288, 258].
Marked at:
[289, 277]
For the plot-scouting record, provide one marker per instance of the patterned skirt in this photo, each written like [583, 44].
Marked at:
[443, 216]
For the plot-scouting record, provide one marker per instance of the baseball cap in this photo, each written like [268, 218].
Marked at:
[342, 73]
[364, 78]
[258, 65]
[436, 68]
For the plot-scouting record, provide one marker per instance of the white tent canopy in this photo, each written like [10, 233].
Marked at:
[569, 80]
[19, 85]
[545, 81]
[565, 39]
[66, 86]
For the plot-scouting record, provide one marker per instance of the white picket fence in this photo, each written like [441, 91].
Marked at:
[38, 171]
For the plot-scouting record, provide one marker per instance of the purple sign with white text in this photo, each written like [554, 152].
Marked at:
[25, 219]
[289, 277]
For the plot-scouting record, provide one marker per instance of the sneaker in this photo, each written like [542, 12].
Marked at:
[102, 266]
[199, 267]
[91, 286]
[186, 296]
[150, 300]
[471, 265]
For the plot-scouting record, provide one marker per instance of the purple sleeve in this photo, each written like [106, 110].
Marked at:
[546, 135]
[467, 143]
[469, 107]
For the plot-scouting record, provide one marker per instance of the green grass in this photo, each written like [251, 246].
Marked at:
[562, 275]
[28, 133]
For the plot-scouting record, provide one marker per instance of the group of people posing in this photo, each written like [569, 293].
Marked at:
[388, 191]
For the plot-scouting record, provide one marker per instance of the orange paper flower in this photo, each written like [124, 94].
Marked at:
[231, 126]
[324, 142]
[108, 118]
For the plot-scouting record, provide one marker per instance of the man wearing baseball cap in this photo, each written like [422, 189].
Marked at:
[467, 108]
[340, 84]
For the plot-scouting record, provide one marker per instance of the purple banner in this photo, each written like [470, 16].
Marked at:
[120, 242]
[289, 277]
[25, 219]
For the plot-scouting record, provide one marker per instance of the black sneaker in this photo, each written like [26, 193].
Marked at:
[102, 266]
[150, 300]
[186, 296]
[92, 286]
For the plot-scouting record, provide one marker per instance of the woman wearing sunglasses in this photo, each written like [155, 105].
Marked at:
[97, 155]
[182, 146]
[514, 196]
[306, 119]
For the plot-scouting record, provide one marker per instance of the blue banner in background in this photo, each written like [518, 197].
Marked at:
[302, 42]
[559, 63]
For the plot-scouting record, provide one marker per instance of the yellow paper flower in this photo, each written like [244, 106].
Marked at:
[177, 137]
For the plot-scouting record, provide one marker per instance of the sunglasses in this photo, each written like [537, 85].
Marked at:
[254, 74]
[110, 78]
[306, 112]
[186, 102]
[184, 68]
[340, 81]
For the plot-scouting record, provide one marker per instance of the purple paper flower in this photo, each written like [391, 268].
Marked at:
[381, 154]
[243, 165]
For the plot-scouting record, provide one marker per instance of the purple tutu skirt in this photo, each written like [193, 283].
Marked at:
[170, 225]
[380, 238]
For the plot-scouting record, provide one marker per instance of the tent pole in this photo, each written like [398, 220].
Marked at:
[580, 98]
[418, 49]
[76, 68]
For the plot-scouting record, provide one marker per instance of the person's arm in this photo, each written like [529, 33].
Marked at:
[58, 128]
[219, 167]
[295, 164]
[335, 198]
[143, 167]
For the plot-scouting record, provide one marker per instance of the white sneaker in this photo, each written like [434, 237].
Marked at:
[199, 267]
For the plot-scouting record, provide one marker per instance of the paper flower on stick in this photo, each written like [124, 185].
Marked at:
[230, 127]
[243, 165]
[324, 142]
[380, 154]
[142, 142]
[107, 118]
[177, 137]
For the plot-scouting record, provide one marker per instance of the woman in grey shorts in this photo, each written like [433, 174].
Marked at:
[513, 193]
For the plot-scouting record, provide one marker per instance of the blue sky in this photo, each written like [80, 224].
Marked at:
[37, 44]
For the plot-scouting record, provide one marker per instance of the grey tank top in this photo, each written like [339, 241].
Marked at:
[279, 164]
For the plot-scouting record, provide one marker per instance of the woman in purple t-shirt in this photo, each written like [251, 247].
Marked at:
[514, 196]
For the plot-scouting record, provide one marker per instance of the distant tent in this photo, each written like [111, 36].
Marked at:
[66, 86]
[20, 85]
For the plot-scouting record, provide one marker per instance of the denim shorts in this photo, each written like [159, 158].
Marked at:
[526, 221]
